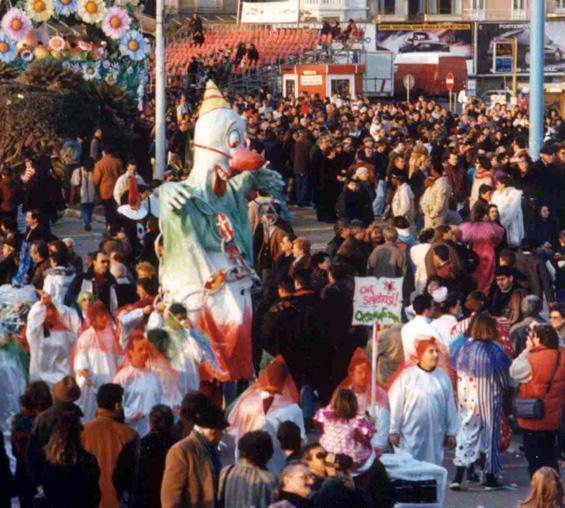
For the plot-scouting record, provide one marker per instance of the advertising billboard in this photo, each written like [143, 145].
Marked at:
[489, 33]
[285, 11]
[453, 39]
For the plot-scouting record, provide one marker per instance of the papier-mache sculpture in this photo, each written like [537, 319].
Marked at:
[207, 258]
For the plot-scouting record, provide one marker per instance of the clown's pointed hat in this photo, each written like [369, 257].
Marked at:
[213, 99]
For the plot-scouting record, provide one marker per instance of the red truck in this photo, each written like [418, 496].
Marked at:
[429, 71]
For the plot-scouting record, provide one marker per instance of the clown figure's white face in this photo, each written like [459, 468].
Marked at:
[218, 134]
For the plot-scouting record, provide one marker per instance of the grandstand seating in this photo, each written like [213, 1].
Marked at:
[274, 45]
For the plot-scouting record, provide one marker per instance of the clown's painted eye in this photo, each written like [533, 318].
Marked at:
[234, 139]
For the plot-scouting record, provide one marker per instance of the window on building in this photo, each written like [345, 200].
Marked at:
[446, 6]
[478, 5]
[387, 6]
[560, 5]
[518, 5]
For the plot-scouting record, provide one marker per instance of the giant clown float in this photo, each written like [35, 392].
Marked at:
[207, 259]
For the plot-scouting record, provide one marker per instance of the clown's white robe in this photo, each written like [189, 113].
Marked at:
[509, 203]
[50, 355]
[422, 412]
[248, 415]
[184, 352]
[142, 390]
[444, 325]
[98, 353]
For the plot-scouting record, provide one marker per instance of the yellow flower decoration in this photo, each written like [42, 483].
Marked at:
[91, 11]
[40, 10]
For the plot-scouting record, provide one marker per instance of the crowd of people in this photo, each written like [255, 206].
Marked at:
[116, 412]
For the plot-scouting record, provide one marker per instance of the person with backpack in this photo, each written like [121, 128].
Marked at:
[83, 187]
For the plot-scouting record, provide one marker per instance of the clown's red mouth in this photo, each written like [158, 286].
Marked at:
[222, 175]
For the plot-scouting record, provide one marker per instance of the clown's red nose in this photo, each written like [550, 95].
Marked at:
[244, 159]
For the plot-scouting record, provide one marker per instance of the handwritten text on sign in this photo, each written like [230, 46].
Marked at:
[377, 300]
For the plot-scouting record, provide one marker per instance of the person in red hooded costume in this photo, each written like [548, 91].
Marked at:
[269, 401]
[358, 380]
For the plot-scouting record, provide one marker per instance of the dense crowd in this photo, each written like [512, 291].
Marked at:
[119, 411]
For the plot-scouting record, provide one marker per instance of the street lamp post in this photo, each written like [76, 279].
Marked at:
[536, 76]
[160, 94]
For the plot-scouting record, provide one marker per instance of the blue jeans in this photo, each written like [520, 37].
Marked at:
[380, 199]
[86, 211]
[302, 190]
[307, 401]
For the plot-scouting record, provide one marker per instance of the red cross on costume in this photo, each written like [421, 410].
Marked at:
[224, 227]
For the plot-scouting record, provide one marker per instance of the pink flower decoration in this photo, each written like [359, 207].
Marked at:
[116, 22]
[16, 24]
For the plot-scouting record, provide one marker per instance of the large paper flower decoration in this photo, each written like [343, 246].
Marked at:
[40, 10]
[57, 43]
[65, 7]
[134, 45]
[91, 70]
[116, 23]
[16, 24]
[8, 49]
[91, 11]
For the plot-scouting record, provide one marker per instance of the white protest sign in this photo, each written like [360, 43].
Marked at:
[377, 300]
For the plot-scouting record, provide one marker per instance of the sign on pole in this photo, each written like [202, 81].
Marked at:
[377, 300]
[503, 56]
[449, 81]
[408, 81]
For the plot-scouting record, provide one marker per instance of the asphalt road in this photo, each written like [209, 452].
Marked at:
[514, 475]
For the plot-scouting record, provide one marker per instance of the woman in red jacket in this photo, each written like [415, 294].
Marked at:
[540, 370]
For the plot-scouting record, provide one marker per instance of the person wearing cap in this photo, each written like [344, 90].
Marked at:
[549, 178]
[65, 393]
[423, 417]
[192, 467]
[483, 175]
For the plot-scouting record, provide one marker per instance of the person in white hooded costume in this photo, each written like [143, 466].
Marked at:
[423, 417]
[96, 356]
[51, 332]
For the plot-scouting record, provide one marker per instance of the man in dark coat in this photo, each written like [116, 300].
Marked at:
[550, 179]
[301, 167]
[353, 203]
[96, 280]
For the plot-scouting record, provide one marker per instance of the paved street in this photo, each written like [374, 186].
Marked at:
[305, 224]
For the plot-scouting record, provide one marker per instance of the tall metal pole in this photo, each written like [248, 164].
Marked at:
[160, 94]
[536, 76]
